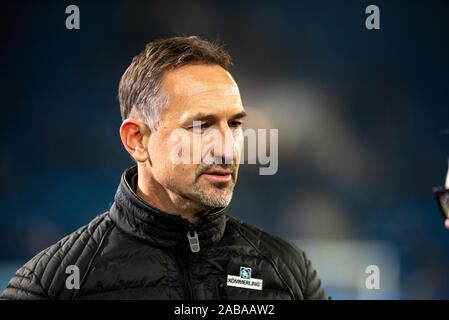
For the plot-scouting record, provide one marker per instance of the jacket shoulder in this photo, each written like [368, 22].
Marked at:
[44, 276]
[291, 261]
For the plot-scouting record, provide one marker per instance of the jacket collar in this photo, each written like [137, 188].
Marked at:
[140, 220]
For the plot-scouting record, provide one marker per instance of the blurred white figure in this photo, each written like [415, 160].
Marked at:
[446, 185]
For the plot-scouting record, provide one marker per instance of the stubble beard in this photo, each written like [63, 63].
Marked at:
[217, 195]
[207, 194]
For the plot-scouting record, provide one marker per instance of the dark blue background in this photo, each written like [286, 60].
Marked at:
[61, 157]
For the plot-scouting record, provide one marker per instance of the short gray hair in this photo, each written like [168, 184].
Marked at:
[139, 89]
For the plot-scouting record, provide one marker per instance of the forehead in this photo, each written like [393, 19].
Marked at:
[199, 82]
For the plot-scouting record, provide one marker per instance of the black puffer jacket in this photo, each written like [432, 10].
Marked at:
[135, 251]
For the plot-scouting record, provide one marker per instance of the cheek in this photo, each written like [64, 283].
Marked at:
[172, 153]
[182, 176]
[159, 152]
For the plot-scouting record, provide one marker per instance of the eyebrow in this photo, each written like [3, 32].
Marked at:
[239, 115]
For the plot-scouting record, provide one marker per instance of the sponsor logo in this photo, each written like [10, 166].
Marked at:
[244, 280]
[245, 273]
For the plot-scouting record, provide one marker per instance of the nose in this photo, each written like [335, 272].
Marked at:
[224, 149]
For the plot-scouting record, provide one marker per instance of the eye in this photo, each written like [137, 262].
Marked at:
[202, 126]
[235, 124]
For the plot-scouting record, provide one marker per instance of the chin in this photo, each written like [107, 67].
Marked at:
[214, 200]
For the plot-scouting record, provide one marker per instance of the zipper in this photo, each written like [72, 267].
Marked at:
[183, 258]
[192, 236]
[221, 292]
[186, 277]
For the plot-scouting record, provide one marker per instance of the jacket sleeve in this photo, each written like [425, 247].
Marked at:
[25, 285]
[313, 287]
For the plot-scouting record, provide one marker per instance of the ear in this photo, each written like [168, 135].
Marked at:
[134, 134]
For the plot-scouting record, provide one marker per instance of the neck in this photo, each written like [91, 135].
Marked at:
[152, 192]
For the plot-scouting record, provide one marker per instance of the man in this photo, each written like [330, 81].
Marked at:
[442, 196]
[167, 235]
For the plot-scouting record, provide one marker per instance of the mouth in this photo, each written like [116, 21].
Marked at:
[218, 175]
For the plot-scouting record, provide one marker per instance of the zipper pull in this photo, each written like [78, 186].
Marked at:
[193, 239]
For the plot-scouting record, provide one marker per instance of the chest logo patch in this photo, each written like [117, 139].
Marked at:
[244, 280]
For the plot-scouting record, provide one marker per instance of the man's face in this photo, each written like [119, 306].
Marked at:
[208, 95]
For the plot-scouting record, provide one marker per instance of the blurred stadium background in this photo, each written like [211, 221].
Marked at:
[363, 122]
